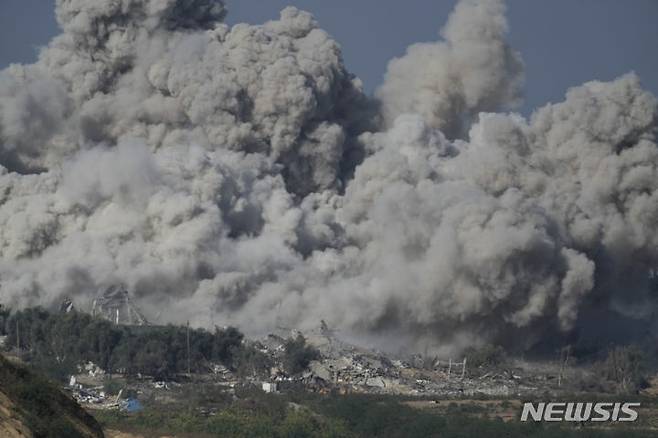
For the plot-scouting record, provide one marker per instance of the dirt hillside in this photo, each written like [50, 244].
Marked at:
[32, 406]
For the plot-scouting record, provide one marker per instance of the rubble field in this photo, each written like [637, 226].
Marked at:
[341, 368]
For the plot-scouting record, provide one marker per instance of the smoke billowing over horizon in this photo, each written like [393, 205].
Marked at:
[240, 175]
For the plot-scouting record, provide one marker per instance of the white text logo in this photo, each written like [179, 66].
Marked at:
[579, 411]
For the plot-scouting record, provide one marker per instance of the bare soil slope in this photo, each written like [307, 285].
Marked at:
[32, 406]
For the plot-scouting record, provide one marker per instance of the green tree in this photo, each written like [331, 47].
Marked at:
[227, 341]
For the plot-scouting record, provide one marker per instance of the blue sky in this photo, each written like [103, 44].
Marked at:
[563, 42]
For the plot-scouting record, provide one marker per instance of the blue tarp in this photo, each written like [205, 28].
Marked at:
[133, 405]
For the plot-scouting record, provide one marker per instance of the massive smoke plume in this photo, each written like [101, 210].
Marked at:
[239, 175]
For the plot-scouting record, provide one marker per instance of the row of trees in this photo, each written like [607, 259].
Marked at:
[58, 342]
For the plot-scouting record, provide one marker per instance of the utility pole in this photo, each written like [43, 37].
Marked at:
[188, 349]
[18, 340]
[464, 368]
[564, 360]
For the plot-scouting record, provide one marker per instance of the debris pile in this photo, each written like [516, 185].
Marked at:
[339, 367]
[348, 368]
[91, 395]
[91, 369]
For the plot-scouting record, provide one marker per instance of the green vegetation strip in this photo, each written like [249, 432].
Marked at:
[349, 416]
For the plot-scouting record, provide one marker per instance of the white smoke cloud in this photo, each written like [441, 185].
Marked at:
[235, 175]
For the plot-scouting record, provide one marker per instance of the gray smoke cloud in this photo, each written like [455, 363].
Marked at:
[450, 82]
[239, 175]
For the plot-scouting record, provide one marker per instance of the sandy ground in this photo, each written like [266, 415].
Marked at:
[10, 424]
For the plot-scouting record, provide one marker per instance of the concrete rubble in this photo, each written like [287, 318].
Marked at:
[90, 395]
[348, 368]
[341, 367]
[91, 369]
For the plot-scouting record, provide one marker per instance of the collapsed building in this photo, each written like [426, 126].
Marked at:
[347, 368]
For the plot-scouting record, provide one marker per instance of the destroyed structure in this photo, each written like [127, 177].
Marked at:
[115, 305]
[348, 368]
[340, 367]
